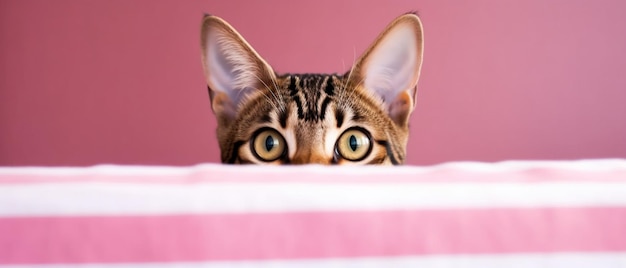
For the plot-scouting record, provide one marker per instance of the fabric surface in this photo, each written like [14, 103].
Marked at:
[508, 214]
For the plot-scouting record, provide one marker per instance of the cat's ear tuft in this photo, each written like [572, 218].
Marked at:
[232, 68]
[391, 66]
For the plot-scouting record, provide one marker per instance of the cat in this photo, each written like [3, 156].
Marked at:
[360, 117]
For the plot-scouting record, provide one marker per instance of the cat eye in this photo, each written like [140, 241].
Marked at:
[354, 144]
[268, 145]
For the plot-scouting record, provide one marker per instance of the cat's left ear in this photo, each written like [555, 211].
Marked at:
[232, 68]
[391, 66]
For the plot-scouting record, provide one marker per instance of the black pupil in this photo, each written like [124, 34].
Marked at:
[269, 143]
[354, 144]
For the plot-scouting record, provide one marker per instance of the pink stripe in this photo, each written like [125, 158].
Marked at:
[309, 235]
[227, 174]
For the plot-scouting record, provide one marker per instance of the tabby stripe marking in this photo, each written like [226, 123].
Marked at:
[293, 92]
[282, 117]
[301, 81]
[292, 86]
[389, 151]
[330, 87]
[357, 117]
[266, 118]
[329, 90]
[377, 160]
[298, 102]
[324, 106]
[235, 153]
[339, 114]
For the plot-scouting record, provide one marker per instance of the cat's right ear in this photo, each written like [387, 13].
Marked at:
[232, 68]
[390, 67]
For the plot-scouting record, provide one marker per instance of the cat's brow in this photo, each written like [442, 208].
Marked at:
[324, 106]
[312, 94]
[282, 117]
[357, 117]
[266, 118]
[339, 115]
[329, 89]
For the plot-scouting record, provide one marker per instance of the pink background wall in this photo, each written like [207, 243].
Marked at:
[117, 81]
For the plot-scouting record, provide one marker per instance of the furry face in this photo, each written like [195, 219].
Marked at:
[360, 117]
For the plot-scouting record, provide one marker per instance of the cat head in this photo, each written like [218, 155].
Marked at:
[360, 117]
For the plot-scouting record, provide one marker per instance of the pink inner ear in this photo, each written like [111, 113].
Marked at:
[223, 106]
[400, 109]
[394, 63]
[226, 62]
[231, 64]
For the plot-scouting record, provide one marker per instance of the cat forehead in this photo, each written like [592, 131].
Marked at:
[312, 94]
[310, 101]
[312, 83]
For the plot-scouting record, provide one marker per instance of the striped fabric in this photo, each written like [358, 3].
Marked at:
[511, 214]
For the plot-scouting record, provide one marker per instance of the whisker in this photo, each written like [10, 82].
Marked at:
[345, 86]
[276, 89]
[272, 102]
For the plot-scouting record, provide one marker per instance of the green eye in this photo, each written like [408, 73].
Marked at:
[268, 145]
[354, 144]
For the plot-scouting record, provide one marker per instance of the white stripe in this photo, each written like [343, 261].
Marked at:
[97, 198]
[588, 165]
[561, 260]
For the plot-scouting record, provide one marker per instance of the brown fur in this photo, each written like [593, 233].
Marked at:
[310, 111]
